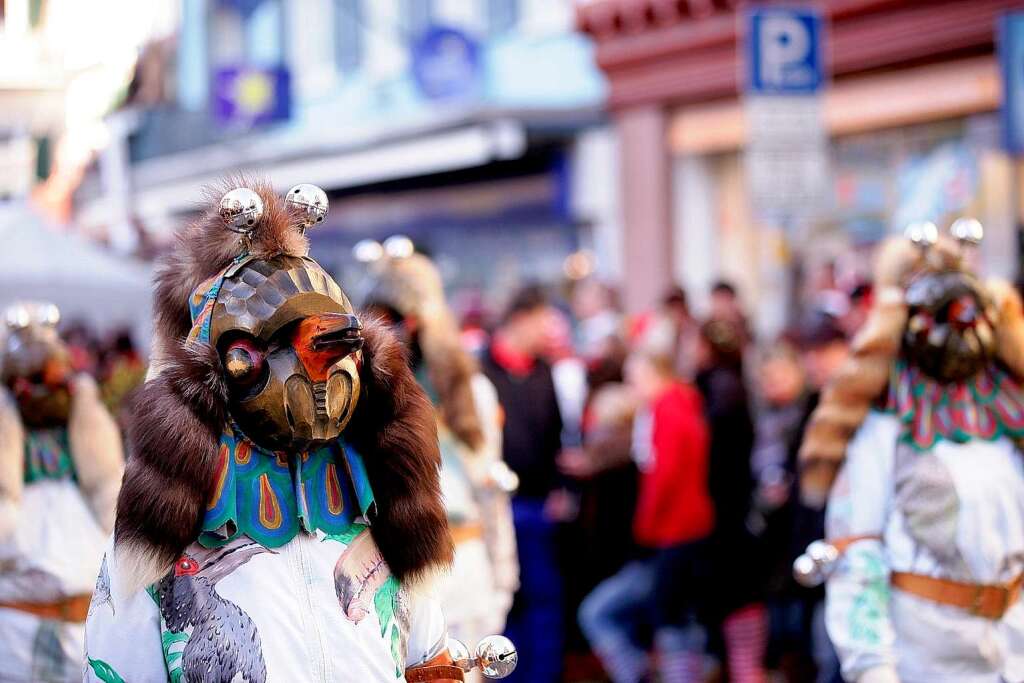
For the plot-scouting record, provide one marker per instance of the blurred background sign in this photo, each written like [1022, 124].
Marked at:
[446, 64]
[787, 154]
[1011, 58]
[251, 96]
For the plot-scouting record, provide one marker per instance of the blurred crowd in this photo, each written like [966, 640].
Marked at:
[112, 359]
[658, 513]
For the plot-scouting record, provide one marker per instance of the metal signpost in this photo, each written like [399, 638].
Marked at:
[787, 146]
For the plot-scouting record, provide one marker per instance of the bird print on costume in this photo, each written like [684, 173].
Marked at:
[223, 642]
[101, 594]
[364, 582]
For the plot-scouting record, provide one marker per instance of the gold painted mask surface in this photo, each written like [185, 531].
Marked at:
[290, 346]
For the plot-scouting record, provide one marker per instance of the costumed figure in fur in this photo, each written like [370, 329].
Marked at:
[281, 504]
[917, 447]
[406, 290]
[61, 462]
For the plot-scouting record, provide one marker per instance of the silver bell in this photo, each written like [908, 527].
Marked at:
[310, 202]
[967, 231]
[816, 565]
[460, 655]
[241, 209]
[496, 656]
[922, 233]
[503, 477]
[824, 554]
[22, 314]
[806, 572]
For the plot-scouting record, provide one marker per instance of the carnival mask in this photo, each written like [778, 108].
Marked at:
[35, 365]
[290, 347]
[949, 333]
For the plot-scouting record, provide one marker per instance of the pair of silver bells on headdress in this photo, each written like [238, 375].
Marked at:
[967, 231]
[495, 656]
[241, 208]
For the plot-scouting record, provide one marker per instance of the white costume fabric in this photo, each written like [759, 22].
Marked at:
[477, 593]
[53, 554]
[954, 511]
[245, 612]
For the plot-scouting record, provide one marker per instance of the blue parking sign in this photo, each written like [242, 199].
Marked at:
[785, 51]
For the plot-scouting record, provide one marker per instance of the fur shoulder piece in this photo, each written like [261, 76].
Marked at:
[12, 462]
[848, 398]
[174, 428]
[395, 429]
[206, 246]
[96, 449]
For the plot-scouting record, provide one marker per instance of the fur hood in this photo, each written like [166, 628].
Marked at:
[412, 285]
[178, 416]
[865, 376]
[96, 452]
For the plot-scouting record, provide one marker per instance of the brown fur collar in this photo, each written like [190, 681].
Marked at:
[96, 450]
[175, 426]
[451, 372]
[394, 429]
[851, 394]
[12, 463]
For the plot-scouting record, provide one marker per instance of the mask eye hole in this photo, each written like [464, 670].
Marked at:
[243, 362]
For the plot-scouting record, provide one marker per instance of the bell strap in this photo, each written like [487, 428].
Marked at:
[844, 543]
[440, 669]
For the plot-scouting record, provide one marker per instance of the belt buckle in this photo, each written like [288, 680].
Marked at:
[978, 603]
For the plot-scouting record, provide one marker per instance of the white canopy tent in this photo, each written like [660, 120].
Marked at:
[87, 283]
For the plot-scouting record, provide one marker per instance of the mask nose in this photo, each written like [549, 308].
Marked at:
[322, 340]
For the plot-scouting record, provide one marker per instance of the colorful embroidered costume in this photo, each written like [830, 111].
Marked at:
[60, 468]
[281, 503]
[925, 521]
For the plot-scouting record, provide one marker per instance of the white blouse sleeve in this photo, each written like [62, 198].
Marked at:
[428, 632]
[857, 603]
[122, 637]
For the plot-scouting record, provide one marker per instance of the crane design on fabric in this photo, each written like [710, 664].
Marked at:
[206, 637]
[363, 581]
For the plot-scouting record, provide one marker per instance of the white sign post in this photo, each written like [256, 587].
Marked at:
[787, 144]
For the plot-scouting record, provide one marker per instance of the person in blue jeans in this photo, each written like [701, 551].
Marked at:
[531, 443]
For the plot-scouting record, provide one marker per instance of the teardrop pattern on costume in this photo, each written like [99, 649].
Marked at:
[270, 508]
[270, 497]
[332, 488]
[223, 468]
[988, 406]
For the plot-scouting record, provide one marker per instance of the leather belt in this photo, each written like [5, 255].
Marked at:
[434, 674]
[467, 532]
[440, 669]
[990, 601]
[73, 609]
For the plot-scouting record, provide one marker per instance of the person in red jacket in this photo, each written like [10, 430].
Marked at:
[658, 593]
